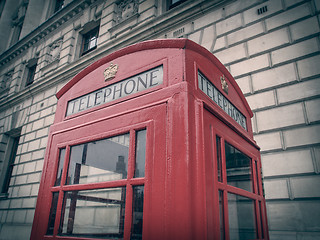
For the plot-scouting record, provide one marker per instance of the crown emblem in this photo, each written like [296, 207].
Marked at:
[110, 72]
[224, 84]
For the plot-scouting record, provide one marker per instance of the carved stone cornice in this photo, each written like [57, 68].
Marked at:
[51, 24]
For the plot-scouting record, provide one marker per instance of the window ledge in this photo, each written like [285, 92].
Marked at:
[3, 196]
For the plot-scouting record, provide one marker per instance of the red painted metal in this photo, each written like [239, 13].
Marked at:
[181, 188]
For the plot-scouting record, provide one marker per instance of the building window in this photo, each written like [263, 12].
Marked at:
[89, 41]
[31, 71]
[58, 6]
[174, 3]
[9, 144]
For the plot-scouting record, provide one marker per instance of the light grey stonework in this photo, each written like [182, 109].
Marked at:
[274, 57]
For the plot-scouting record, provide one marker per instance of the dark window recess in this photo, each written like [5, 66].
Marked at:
[9, 169]
[174, 3]
[137, 212]
[59, 5]
[31, 74]
[16, 34]
[262, 10]
[90, 41]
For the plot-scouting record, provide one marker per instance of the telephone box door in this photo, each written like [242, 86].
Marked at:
[232, 165]
[98, 179]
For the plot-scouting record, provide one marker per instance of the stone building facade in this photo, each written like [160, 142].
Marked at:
[271, 47]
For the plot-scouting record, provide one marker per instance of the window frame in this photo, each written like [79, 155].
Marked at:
[129, 183]
[87, 38]
[173, 5]
[219, 130]
[58, 5]
[9, 160]
[31, 70]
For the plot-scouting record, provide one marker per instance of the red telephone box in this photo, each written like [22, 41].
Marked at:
[152, 142]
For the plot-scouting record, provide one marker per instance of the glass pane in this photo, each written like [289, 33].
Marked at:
[137, 212]
[53, 211]
[94, 213]
[257, 174]
[140, 153]
[238, 165]
[219, 162]
[99, 161]
[241, 218]
[221, 215]
[60, 167]
[261, 221]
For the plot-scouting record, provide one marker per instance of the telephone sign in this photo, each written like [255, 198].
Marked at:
[134, 84]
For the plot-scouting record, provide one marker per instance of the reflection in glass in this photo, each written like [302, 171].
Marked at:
[137, 212]
[94, 213]
[62, 154]
[99, 161]
[219, 162]
[52, 215]
[241, 218]
[261, 223]
[257, 174]
[238, 166]
[221, 215]
[140, 153]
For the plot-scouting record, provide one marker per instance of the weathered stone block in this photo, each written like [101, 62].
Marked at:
[280, 117]
[295, 51]
[232, 54]
[207, 19]
[309, 67]
[287, 162]
[251, 15]
[208, 37]
[288, 16]
[302, 136]
[273, 77]
[195, 36]
[244, 84]
[268, 141]
[268, 41]
[304, 28]
[276, 189]
[261, 100]
[245, 33]
[299, 91]
[313, 110]
[249, 65]
[305, 187]
[229, 24]
[220, 43]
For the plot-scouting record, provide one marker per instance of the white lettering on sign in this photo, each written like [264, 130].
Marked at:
[214, 94]
[138, 83]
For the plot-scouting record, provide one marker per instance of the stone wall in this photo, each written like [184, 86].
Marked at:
[270, 47]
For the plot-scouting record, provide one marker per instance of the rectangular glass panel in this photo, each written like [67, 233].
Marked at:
[53, 211]
[241, 218]
[238, 166]
[94, 213]
[261, 220]
[62, 154]
[99, 161]
[140, 154]
[219, 162]
[221, 215]
[137, 212]
[257, 174]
